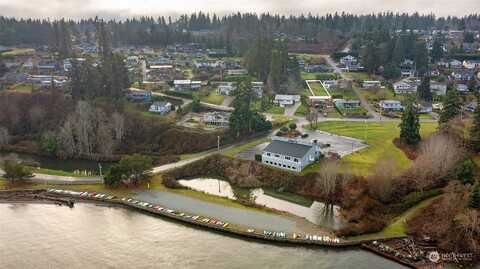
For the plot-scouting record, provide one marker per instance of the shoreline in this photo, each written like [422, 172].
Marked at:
[68, 198]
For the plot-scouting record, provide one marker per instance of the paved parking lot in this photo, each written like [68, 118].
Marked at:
[340, 145]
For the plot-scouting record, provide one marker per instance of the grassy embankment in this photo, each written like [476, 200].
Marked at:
[235, 150]
[379, 137]
[397, 227]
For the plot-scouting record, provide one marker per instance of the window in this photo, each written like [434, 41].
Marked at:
[287, 158]
[268, 154]
[295, 160]
[277, 156]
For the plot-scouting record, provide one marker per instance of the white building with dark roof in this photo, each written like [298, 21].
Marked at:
[290, 154]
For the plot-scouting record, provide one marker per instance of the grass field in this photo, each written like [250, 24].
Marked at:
[317, 75]
[379, 137]
[276, 110]
[235, 150]
[55, 172]
[212, 98]
[25, 87]
[318, 89]
[358, 75]
[17, 51]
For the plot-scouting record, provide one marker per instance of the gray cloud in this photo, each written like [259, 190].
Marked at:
[127, 8]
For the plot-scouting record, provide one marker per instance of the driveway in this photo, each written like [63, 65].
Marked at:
[362, 99]
[290, 110]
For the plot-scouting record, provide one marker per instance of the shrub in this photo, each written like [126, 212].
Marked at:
[464, 172]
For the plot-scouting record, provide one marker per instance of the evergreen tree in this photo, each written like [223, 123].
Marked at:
[371, 59]
[437, 50]
[424, 91]
[421, 58]
[452, 106]
[410, 125]
[475, 129]
[391, 71]
[474, 201]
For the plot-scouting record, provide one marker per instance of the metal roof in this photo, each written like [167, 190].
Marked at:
[288, 148]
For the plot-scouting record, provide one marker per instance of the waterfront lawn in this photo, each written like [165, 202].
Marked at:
[55, 172]
[397, 226]
[290, 197]
[379, 137]
[232, 152]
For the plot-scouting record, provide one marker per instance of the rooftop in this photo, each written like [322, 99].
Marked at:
[288, 148]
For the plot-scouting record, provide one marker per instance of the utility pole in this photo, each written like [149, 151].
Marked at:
[218, 143]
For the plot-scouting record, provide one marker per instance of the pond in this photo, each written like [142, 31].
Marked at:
[316, 213]
[54, 163]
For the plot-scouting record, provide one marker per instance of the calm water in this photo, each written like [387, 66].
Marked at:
[315, 214]
[53, 163]
[87, 236]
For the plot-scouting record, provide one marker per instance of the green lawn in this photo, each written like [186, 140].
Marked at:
[235, 150]
[213, 98]
[301, 111]
[55, 172]
[397, 226]
[25, 87]
[358, 75]
[317, 75]
[318, 89]
[379, 137]
[18, 51]
[276, 110]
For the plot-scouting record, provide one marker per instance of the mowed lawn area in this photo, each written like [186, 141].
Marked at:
[318, 89]
[379, 137]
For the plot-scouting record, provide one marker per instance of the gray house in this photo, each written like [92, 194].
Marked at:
[289, 154]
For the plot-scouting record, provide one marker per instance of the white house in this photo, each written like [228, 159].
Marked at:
[286, 100]
[455, 64]
[186, 85]
[438, 88]
[160, 107]
[257, 88]
[404, 87]
[226, 88]
[237, 72]
[290, 154]
[462, 88]
[371, 84]
[390, 105]
[348, 60]
[219, 119]
[471, 64]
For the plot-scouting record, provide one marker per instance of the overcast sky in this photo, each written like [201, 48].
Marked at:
[128, 8]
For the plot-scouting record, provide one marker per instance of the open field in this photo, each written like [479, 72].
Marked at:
[379, 137]
[358, 75]
[317, 75]
[17, 51]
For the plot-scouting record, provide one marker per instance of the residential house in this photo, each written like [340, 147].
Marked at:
[424, 108]
[390, 105]
[208, 64]
[218, 119]
[226, 88]
[329, 84]
[311, 68]
[286, 100]
[257, 88]
[407, 68]
[442, 64]
[346, 104]
[471, 64]
[463, 74]
[462, 88]
[160, 107]
[289, 154]
[237, 72]
[470, 107]
[405, 86]
[186, 85]
[68, 63]
[348, 60]
[371, 84]
[455, 64]
[139, 95]
[438, 88]
[132, 60]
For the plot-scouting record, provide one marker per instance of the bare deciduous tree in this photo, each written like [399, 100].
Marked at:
[118, 123]
[4, 136]
[327, 179]
[380, 183]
